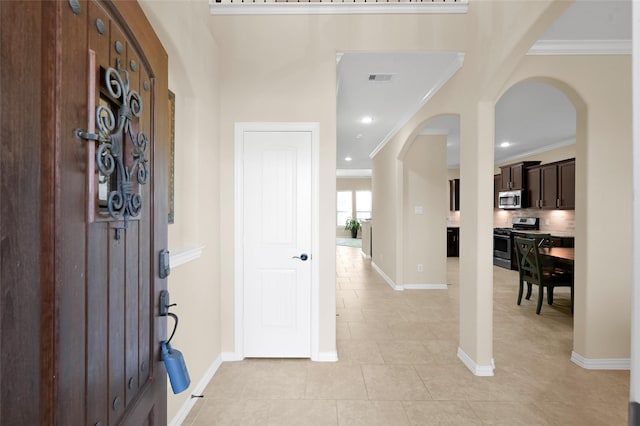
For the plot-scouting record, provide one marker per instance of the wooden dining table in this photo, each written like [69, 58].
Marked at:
[562, 257]
[562, 253]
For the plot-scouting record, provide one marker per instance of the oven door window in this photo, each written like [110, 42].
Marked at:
[501, 244]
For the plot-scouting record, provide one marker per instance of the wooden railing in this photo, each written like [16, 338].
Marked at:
[336, 6]
[340, 1]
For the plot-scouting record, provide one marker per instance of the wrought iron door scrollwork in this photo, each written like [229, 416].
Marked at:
[113, 131]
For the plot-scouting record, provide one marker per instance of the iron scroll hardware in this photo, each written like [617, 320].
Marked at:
[113, 131]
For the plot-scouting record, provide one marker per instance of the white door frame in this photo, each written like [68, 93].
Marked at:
[240, 128]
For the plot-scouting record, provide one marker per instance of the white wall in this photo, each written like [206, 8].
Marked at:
[635, 300]
[425, 170]
[194, 286]
[273, 71]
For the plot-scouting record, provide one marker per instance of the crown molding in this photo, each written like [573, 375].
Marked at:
[516, 157]
[327, 8]
[446, 75]
[552, 146]
[353, 173]
[581, 47]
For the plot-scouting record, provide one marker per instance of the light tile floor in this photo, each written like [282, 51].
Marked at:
[398, 366]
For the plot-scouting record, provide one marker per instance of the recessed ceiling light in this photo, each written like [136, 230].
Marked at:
[505, 145]
[347, 158]
[367, 120]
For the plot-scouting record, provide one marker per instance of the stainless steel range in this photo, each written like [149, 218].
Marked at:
[503, 240]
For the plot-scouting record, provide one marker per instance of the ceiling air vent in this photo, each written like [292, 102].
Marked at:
[380, 77]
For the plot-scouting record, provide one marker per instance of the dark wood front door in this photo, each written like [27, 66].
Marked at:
[99, 77]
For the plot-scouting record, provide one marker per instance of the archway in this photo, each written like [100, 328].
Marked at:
[551, 118]
[423, 165]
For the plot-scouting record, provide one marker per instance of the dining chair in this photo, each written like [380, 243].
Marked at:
[533, 271]
[543, 240]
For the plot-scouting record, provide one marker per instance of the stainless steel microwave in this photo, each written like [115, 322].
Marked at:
[510, 199]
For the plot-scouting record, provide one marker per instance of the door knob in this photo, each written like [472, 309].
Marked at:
[303, 257]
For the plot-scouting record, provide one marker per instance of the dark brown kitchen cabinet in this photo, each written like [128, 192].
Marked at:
[567, 185]
[453, 242]
[454, 194]
[548, 186]
[542, 186]
[513, 176]
[552, 186]
[533, 187]
[563, 241]
[497, 182]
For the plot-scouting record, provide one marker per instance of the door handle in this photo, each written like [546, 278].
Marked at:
[303, 257]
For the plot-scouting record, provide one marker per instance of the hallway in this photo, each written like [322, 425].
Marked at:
[398, 366]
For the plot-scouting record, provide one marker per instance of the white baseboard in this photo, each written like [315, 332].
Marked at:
[386, 278]
[183, 412]
[325, 357]
[231, 356]
[365, 256]
[425, 286]
[320, 357]
[601, 363]
[401, 287]
[478, 370]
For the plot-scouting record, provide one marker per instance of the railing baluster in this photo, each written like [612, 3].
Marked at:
[338, 6]
[336, 1]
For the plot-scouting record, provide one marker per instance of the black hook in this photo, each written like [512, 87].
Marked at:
[164, 311]
[175, 327]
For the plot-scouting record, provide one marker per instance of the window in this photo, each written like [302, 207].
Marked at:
[363, 205]
[343, 207]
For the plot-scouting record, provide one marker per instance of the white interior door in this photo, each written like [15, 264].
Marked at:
[277, 232]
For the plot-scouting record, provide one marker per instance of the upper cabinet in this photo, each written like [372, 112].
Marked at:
[497, 187]
[567, 185]
[533, 187]
[552, 186]
[513, 176]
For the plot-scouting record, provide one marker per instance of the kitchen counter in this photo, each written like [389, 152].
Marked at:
[559, 234]
[559, 240]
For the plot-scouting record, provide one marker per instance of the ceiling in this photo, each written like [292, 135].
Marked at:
[402, 83]
[532, 117]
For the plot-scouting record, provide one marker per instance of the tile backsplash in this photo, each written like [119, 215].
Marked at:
[558, 221]
[453, 218]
